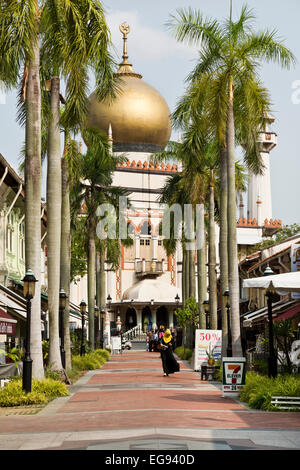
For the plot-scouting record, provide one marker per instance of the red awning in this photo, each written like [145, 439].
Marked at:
[289, 313]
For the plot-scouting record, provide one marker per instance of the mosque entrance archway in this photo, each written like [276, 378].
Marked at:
[146, 319]
[130, 319]
[162, 318]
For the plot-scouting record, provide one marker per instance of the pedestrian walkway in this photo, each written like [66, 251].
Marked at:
[129, 404]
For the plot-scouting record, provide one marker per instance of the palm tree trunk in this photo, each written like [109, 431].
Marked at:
[223, 235]
[201, 265]
[54, 226]
[91, 280]
[33, 204]
[192, 279]
[212, 260]
[100, 283]
[233, 273]
[100, 280]
[65, 253]
[183, 282]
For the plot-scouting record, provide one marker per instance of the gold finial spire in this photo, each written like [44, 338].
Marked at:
[125, 66]
[125, 30]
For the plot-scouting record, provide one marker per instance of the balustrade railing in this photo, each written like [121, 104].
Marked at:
[148, 267]
[135, 333]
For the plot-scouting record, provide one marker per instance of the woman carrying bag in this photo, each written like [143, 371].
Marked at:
[169, 363]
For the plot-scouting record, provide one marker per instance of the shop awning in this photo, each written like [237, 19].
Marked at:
[289, 313]
[262, 313]
[8, 302]
[287, 282]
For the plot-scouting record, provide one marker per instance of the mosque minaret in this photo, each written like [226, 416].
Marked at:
[259, 189]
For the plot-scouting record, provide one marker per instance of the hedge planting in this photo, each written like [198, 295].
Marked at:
[91, 361]
[259, 390]
[185, 354]
[42, 392]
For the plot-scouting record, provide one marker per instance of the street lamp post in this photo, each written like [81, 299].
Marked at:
[206, 310]
[28, 291]
[108, 317]
[82, 311]
[96, 310]
[102, 316]
[229, 339]
[62, 306]
[177, 299]
[272, 360]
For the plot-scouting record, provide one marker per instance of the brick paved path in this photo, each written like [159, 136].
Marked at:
[129, 404]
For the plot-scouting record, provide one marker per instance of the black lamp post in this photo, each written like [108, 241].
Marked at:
[229, 339]
[62, 306]
[206, 310]
[272, 360]
[28, 292]
[102, 316]
[177, 299]
[96, 310]
[82, 311]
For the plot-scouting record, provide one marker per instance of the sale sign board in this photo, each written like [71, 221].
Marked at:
[207, 341]
[234, 373]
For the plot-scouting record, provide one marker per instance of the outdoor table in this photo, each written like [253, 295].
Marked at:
[209, 372]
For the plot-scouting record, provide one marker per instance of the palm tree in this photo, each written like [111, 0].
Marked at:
[230, 56]
[20, 55]
[65, 39]
[95, 188]
[75, 39]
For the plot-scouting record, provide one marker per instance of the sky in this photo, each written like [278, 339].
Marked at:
[165, 64]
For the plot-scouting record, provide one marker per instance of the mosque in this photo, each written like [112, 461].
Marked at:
[146, 288]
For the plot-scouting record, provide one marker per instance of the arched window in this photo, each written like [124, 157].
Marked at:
[146, 228]
[130, 230]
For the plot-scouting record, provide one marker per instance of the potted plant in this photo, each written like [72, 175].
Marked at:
[210, 356]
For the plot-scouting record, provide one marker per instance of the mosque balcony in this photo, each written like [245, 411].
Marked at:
[268, 140]
[145, 268]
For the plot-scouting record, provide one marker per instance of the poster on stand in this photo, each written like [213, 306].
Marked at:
[233, 377]
[116, 343]
[205, 341]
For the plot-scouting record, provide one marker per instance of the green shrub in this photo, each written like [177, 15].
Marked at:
[258, 391]
[42, 391]
[184, 354]
[91, 361]
[52, 374]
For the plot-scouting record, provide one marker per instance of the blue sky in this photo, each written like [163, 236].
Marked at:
[164, 64]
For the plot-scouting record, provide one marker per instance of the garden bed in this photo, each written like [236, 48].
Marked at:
[14, 400]
[259, 389]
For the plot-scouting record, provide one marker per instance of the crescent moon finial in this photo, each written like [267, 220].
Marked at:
[124, 28]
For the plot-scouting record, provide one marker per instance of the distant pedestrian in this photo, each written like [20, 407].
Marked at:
[169, 363]
[155, 341]
[150, 334]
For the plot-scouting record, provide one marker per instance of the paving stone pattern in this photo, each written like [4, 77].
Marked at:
[129, 405]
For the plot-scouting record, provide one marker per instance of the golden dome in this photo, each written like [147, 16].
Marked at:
[139, 115]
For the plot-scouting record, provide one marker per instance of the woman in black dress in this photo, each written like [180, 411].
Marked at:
[169, 363]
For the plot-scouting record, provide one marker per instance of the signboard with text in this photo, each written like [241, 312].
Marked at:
[205, 341]
[234, 374]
